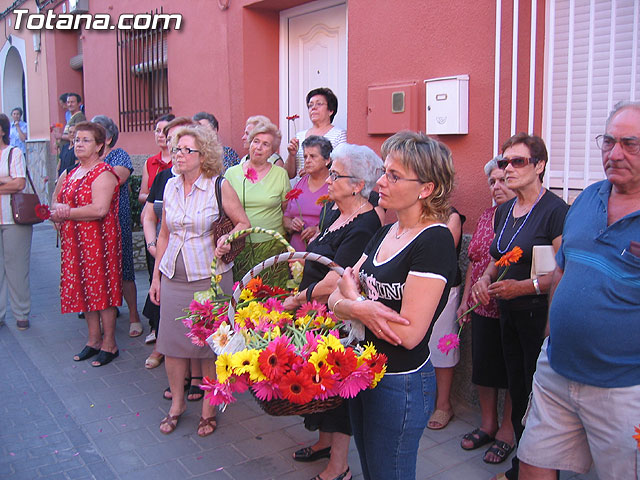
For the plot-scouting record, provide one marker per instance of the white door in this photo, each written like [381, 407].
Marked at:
[313, 54]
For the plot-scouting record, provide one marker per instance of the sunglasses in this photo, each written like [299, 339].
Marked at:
[516, 162]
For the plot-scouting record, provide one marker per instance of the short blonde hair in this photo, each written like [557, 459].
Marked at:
[208, 145]
[256, 119]
[269, 128]
[432, 163]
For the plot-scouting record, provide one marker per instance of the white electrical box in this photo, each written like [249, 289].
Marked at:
[447, 105]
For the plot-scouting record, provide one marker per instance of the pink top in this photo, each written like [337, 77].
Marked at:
[305, 203]
[480, 257]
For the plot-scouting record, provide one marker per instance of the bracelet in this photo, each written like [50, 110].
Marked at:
[536, 285]
[335, 305]
[151, 244]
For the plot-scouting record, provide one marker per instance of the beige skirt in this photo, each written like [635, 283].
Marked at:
[175, 296]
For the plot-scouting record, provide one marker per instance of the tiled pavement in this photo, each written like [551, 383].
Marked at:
[65, 420]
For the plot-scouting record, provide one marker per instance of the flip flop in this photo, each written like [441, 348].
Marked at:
[439, 420]
[135, 329]
[104, 357]
[478, 438]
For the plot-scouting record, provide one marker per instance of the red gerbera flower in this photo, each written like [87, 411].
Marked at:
[293, 117]
[377, 362]
[325, 382]
[42, 211]
[276, 359]
[343, 363]
[293, 194]
[297, 387]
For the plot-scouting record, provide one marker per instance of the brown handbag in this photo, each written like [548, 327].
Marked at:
[23, 205]
[223, 226]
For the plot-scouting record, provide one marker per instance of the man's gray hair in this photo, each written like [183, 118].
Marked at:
[361, 162]
[620, 106]
[110, 127]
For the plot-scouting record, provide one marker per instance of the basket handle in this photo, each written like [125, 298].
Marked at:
[215, 289]
[283, 257]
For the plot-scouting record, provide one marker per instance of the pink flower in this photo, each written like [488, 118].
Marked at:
[356, 381]
[251, 175]
[266, 390]
[238, 383]
[273, 304]
[448, 343]
[187, 322]
[199, 335]
[311, 343]
[311, 308]
[217, 393]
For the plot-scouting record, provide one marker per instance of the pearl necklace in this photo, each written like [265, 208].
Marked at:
[504, 225]
[349, 218]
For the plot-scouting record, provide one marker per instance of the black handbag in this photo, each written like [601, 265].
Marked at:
[24, 205]
[223, 226]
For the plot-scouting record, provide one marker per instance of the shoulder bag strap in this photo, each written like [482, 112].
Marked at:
[10, 156]
[219, 196]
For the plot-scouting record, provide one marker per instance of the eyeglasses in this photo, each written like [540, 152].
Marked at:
[317, 104]
[83, 140]
[393, 178]
[630, 145]
[158, 131]
[183, 150]
[335, 176]
[516, 162]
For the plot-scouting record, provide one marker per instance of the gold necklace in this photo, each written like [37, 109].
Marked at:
[349, 218]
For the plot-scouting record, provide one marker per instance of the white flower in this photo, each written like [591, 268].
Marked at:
[218, 340]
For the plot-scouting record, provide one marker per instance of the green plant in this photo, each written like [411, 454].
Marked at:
[136, 207]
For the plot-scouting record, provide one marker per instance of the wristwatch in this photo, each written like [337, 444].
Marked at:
[151, 244]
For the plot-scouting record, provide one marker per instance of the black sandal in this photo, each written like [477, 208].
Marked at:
[187, 383]
[478, 438]
[500, 449]
[195, 390]
[87, 352]
[105, 357]
[308, 454]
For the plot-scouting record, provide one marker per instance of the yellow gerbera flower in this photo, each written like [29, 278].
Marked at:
[224, 368]
[246, 295]
[332, 343]
[319, 357]
[241, 361]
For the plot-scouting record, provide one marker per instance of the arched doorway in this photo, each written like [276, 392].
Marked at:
[13, 91]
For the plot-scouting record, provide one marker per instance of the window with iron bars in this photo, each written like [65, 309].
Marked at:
[143, 87]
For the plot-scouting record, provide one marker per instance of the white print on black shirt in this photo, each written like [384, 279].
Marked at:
[379, 290]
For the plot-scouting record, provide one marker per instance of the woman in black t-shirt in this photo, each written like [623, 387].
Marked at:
[406, 273]
[352, 176]
[534, 217]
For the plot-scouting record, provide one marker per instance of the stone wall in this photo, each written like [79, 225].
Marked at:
[139, 247]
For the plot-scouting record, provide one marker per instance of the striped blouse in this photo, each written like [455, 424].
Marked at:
[189, 221]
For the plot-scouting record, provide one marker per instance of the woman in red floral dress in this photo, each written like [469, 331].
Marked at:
[86, 213]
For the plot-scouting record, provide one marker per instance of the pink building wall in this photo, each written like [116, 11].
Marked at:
[227, 62]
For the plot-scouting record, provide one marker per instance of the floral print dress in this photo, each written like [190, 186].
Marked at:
[91, 265]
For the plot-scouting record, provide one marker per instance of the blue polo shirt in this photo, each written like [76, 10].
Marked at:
[595, 313]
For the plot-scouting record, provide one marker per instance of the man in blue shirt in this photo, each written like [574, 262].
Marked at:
[586, 389]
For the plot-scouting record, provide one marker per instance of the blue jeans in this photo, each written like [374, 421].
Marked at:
[388, 422]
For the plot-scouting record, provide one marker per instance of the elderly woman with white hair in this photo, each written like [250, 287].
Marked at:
[489, 372]
[121, 163]
[262, 188]
[343, 234]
